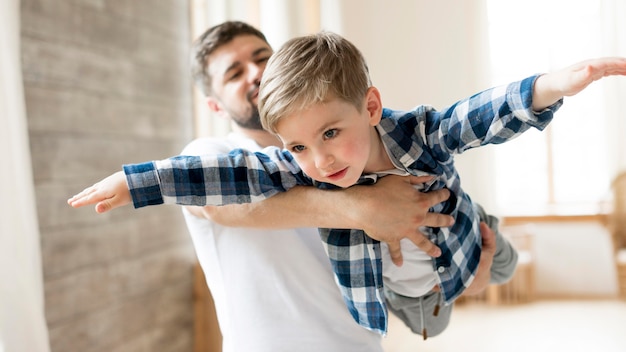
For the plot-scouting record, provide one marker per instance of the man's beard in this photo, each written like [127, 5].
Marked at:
[251, 122]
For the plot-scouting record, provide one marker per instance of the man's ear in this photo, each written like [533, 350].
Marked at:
[374, 105]
[214, 106]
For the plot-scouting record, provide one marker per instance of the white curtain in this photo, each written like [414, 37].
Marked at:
[22, 321]
[614, 43]
[588, 131]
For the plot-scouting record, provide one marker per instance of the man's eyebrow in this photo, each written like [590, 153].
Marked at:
[261, 50]
[231, 67]
[255, 53]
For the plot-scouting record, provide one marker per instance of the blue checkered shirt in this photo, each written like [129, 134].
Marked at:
[421, 141]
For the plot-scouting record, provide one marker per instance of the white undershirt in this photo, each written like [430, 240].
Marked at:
[416, 276]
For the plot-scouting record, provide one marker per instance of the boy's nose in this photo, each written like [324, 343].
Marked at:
[324, 160]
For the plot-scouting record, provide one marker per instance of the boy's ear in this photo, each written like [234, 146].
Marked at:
[374, 105]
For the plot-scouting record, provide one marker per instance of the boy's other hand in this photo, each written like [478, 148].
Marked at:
[110, 193]
[483, 273]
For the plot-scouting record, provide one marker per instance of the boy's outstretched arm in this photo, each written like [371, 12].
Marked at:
[110, 193]
[551, 87]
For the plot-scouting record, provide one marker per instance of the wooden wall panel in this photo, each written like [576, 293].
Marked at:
[107, 82]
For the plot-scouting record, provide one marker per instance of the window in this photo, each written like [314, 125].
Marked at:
[565, 169]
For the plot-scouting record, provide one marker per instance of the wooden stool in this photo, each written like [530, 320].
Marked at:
[521, 287]
[617, 226]
[207, 335]
[620, 261]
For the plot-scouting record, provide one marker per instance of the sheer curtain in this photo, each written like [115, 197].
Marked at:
[614, 42]
[22, 322]
[570, 166]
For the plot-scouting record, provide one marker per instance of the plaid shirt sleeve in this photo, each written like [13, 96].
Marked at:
[237, 177]
[494, 116]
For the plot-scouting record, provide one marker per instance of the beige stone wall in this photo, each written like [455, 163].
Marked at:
[106, 83]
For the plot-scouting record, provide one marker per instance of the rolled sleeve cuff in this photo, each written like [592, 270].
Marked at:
[520, 99]
[143, 184]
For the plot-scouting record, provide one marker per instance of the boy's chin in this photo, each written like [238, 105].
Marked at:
[344, 184]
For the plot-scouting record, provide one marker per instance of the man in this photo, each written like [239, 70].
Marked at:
[271, 281]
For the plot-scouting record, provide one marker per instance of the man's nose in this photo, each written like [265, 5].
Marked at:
[254, 73]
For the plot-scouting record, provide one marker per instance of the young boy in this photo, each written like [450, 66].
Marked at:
[316, 96]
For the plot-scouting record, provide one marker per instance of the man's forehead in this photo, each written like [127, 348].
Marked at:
[239, 49]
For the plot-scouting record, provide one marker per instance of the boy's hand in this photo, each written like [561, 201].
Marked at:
[551, 87]
[110, 193]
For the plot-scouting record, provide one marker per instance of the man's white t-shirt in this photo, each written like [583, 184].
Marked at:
[274, 290]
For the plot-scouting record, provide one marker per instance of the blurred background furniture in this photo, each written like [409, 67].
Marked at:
[617, 226]
[207, 335]
[521, 287]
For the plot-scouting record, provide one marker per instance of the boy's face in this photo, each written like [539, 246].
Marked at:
[332, 141]
[236, 68]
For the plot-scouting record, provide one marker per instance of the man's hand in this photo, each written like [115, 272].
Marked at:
[110, 193]
[483, 273]
[393, 209]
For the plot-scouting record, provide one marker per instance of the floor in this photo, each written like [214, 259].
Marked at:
[572, 325]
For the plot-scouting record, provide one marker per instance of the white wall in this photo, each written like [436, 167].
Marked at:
[423, 52]
[418, 51]
[574, 259]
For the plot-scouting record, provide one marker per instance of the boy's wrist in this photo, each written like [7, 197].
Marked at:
[544, 93]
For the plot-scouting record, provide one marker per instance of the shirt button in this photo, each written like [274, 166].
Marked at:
[441, 269]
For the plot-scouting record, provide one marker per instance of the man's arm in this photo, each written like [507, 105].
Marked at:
[388, 211]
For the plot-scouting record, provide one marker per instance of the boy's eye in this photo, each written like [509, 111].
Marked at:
[330, 133]
[298, 148]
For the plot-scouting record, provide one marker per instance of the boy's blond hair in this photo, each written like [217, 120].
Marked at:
[310, 70]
